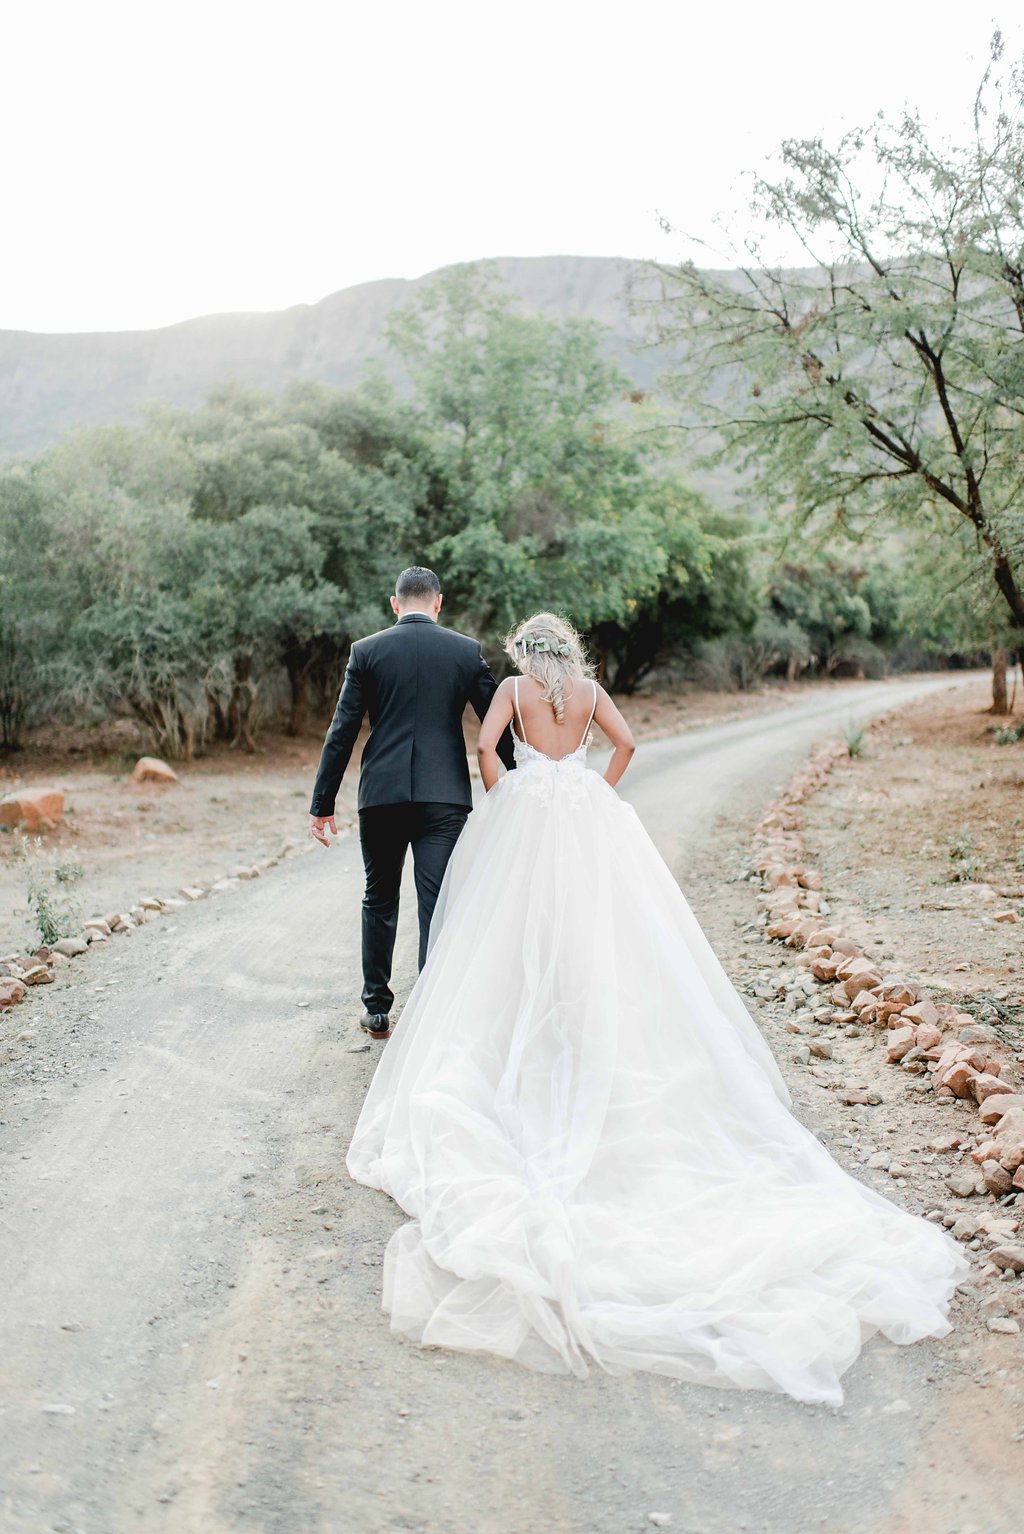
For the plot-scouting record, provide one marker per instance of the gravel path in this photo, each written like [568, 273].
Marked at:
[191, 1336]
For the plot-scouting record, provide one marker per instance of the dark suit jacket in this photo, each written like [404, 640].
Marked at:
[414, 680]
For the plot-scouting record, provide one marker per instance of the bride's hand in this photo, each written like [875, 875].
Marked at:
[608, 718]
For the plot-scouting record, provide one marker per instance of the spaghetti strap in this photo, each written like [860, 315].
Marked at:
[515, 705]
[590, 721]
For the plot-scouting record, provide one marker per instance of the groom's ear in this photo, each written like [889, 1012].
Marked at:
[437, 601]
[394, 606]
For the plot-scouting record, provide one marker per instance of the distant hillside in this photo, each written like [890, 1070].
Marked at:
[50, 383]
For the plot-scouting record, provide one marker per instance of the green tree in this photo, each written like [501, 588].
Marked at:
[33, 584]
[705, 590]
[886, 381]
[823, 601]
[337, 525]
[533, 491]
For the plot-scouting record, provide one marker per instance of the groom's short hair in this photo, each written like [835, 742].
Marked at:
[417, 582]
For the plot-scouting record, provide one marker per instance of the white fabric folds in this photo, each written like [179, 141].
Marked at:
[593, 1141]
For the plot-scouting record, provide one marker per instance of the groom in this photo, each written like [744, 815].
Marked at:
[414, 680]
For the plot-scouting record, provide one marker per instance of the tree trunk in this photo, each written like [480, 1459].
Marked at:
[299, 664]
[297, 712]
[242, 708]
[1000, 700]
[216, 722]
[186, 736]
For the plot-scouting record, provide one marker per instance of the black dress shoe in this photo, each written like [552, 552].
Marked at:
[376, 1024]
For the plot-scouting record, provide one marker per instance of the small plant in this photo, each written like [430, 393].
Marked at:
[963, 855]
[1009, 734]
[854, 737]
[50, 896]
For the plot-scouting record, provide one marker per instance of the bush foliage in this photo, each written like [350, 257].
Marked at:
[208, 568]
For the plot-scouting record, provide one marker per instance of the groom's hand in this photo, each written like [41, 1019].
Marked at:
[316, 828]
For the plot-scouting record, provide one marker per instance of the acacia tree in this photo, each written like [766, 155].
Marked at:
[886, 379]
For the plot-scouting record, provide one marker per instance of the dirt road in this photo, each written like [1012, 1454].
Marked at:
[191, 1335]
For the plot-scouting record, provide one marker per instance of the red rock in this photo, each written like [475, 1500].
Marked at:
[962, 1184]
[38, 974]
[927, 1035]
[863, 1004]
[995, 1108]
[854, 1097]
[11, 992]
[783, 899]
[1007, 916]
[985, 1151]
[949, 1142]
[38, 809]
[898, 1043]
[845, 946]
[71, 947]
[923, 1011]
[1018, 1178]
[1009, 1131]
[858, 963]
[950, 1056]
[810, 879]
[898, 993]
[1010, 1156]
[824, 969]
[1008, 1256]
[150, 769]
[988, 1086]
[959, 1078]
[995, 1178]
[781, 928]
[894, 997]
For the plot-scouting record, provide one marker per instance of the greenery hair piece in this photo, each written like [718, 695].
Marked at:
[549, 649]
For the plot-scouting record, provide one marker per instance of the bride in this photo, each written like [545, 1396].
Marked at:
[589, 1134]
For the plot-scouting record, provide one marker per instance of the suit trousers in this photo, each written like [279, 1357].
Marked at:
[386, 832]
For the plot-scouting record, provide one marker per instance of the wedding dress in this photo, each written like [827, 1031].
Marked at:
[593, 1140]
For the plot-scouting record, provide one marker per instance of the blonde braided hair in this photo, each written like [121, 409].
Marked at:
[550, 650]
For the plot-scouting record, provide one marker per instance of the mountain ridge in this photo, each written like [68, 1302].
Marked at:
[52, 382]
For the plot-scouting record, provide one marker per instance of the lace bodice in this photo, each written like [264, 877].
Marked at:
[527, 755]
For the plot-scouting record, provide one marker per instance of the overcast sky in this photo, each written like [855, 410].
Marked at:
[167, 160]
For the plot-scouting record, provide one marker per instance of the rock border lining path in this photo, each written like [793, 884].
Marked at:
[942, 1048]
[19, 972]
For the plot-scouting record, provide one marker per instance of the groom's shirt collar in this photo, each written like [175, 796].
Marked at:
[416, 618]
